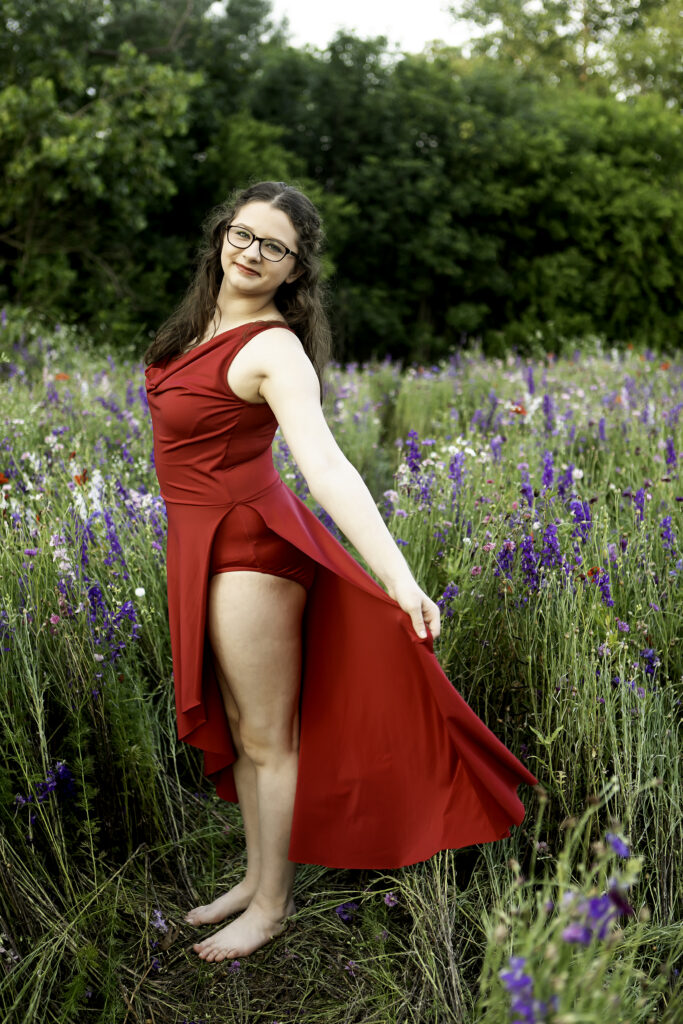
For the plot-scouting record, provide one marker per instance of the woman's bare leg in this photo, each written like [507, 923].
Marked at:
[244, 772]
[255, 632]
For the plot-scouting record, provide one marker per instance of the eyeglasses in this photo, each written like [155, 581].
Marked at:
[269, 248]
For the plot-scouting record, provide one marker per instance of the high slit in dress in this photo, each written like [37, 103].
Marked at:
[393, 764]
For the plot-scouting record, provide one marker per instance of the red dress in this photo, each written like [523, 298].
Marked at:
[393, 764]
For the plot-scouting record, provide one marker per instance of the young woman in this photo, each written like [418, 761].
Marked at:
[314, 693]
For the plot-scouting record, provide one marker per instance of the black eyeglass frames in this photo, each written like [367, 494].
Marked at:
[269, 248]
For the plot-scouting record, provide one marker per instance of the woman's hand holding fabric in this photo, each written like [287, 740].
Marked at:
[415, 603]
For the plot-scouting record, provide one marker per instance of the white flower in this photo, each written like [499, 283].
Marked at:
[577, 474]
[81, 507]
[139, 591]
[466, 540]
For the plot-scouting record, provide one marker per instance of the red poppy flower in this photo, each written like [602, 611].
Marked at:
[519, 409]
[61, 376]
[3, 479]
[593, 571]
[665, 366]
[80, 478]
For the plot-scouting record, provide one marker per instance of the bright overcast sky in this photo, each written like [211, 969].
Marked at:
[410, 24]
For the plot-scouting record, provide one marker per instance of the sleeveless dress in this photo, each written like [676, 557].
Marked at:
[393, 764]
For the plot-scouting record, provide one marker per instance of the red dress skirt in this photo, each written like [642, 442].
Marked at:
[393, 764]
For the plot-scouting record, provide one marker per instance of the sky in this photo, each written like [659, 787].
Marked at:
[408, 23]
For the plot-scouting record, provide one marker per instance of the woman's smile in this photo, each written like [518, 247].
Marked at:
[246, 270]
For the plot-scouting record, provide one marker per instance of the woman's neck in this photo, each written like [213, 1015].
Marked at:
[233, 309]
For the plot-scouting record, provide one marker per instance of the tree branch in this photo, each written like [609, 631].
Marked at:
[172, 44]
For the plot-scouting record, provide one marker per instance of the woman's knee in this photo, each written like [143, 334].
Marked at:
[264, 745]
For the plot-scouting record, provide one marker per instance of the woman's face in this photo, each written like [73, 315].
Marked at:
[245, 269]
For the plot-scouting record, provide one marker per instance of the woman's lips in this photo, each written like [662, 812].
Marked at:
[246, 270]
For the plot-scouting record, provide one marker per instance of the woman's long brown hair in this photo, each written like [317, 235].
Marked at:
[300, 303]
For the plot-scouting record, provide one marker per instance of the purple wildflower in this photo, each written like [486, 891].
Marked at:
[671, 457]
[601, 579]
[514, 979]
[524, 1008]
[639, 502]
[548, 470]
[581, 511]
[116, 551]
[413, 456]
[618, 845]
[651, 660]
[452, 590]
[345, 911]
[600, 912]
[614, 891]
[505, 559]
[623, 627]
[596, 915]
[390, 899]
[549, 414]
[601, 429]
[577, 932]
[526, 488]
[566, 481]
[455, 471]
[551, 555]
[59, 781]
[157, 921]
[127, 611]
[668, 537]
[529, 562]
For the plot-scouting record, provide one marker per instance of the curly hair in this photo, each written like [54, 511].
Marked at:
[300, 302]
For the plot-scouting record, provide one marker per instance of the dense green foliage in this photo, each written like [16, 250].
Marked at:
[523, 199]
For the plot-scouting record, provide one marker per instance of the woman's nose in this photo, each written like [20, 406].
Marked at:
[254, 253]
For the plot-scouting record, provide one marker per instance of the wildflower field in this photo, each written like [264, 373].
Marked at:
[540, 501]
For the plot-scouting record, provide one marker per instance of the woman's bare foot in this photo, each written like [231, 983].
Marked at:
[249, 932]
[237, 898]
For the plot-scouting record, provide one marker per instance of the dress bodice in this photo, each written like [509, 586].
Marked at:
[203, 431]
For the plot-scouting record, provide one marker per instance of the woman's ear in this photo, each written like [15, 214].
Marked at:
[294, 275]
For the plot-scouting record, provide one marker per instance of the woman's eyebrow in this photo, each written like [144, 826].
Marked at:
[241, 224]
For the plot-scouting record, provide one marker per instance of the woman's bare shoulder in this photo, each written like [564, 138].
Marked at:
[273, 349]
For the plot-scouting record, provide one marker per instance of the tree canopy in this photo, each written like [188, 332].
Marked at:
[525, 193]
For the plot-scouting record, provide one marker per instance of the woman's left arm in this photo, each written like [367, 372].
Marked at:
[290, 386]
